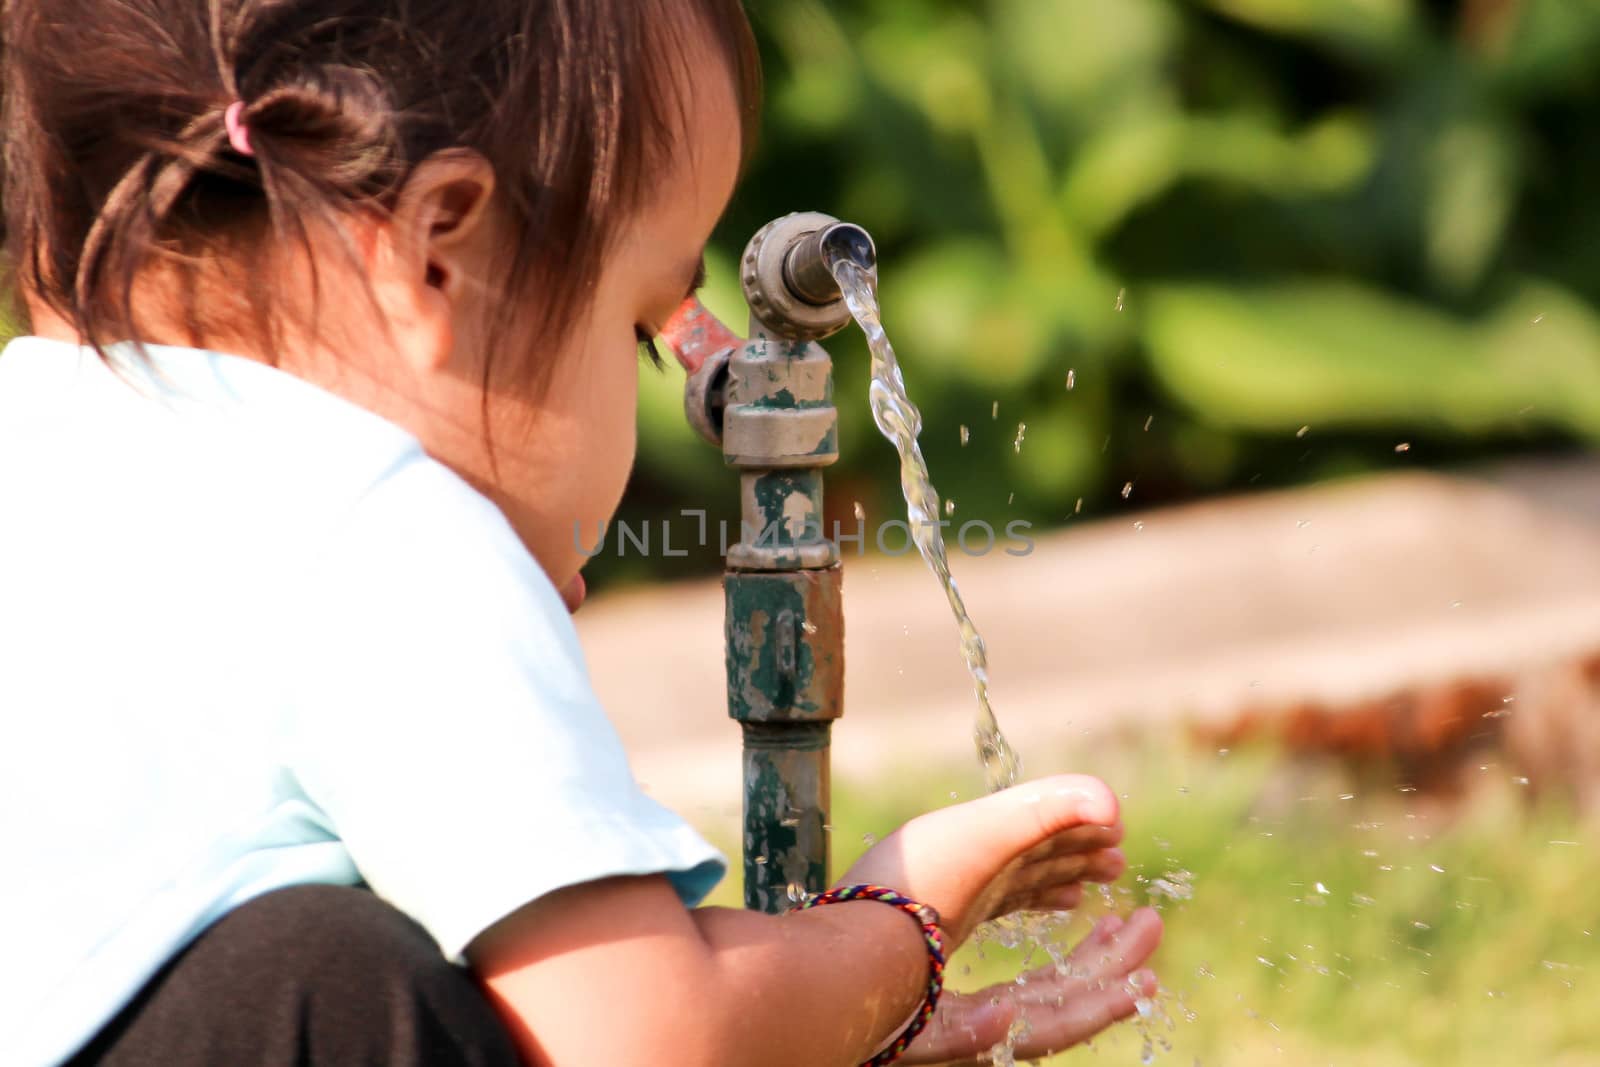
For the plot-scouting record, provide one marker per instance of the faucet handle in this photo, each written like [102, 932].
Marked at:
[695, 335]
[704, 346]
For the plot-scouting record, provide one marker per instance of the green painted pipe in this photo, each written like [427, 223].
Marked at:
[768, 401]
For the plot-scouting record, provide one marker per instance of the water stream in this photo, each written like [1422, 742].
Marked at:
[900, 421]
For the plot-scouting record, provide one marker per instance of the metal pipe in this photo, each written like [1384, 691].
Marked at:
[808, 267]
[768, 401]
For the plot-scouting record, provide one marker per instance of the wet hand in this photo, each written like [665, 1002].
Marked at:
[1057, 1008]
[1026, 848]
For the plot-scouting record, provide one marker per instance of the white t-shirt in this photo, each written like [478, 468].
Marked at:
[252, 636]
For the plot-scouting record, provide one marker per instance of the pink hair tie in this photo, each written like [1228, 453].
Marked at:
[238, 132]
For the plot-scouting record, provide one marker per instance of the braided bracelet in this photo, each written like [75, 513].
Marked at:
[928, 919]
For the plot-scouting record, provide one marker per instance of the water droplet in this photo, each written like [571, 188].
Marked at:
[966, 435]
[1174, 885]
[1435, 868]
[1322, 889]
[1078, 507]
[861, 512]
[994, 412]
[1147, 423]
[1138, 525]
[1302, 524]
[1127, 490]
[1122, 295]
[1022, 428]
[1010, 498]
[1072, 380]
[1537, 319]
[869, 840]
[1520, 780]
[1403, 446]
[1302, 431]
[1420, 925]
[949, 507]
[809, 627]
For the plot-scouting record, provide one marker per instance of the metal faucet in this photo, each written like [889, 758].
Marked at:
[768, 402]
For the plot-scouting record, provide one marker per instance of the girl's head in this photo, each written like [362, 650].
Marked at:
[461, 214]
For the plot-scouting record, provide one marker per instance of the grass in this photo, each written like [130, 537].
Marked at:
[1330, 923]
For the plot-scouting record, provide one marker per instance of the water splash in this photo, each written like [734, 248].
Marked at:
[900, 421]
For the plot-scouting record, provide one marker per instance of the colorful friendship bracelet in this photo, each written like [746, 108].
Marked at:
[928, 919]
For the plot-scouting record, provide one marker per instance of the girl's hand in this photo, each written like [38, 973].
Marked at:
[1059, 1010]
[1027, 848]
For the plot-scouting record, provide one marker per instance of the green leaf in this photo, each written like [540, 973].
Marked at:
[1472, 179]
[1075, 55]
[1376, 29]
[1273, 358]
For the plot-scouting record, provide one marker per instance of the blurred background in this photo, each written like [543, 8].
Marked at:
[1280, 322]
[1228, 220]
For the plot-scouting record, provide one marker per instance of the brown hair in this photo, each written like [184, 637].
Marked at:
[116, 152]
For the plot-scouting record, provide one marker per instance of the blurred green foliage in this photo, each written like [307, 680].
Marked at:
[1230, 220]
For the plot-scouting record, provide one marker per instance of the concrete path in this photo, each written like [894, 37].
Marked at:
[1330, 595]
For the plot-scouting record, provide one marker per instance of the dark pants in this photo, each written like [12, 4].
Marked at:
[311, 976]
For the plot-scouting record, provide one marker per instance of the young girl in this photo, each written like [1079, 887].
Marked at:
[299, 762]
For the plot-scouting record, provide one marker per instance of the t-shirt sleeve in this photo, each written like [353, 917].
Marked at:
[447, 729]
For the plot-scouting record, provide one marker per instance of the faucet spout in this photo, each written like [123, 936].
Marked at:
[808, 268]
[787, 275]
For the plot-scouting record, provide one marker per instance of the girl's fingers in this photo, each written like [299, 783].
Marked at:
[965, 1025]
[1043, 878]
[1127, 945]
[1052, 1029]
[1061, 1010]
[1076, 840]
[1102, 865]
[1015, 820]
[1053, 898]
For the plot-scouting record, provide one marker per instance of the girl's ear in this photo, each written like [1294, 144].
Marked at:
[433, 258]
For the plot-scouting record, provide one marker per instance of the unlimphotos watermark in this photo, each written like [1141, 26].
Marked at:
[974, 537]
